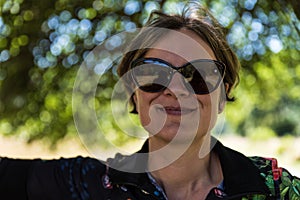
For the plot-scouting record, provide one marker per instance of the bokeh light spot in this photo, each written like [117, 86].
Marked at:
[113, 42]
[97, 5]
[132, 7]
[14, 51]
[249, 4]
[28, 15]
[151, 5]
[15, 9]
[23, 40]
[5, 127]
[257, 26]
[55, 49]
[18, 21]
[45, 116]
[100, 36]
[91, 13]
[274, 43]
[103, 66]
[19, 101]
[7, 5]
[72, 25]
[65, 16]
[53, 22]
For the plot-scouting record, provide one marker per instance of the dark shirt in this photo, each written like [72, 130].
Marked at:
[88, 178]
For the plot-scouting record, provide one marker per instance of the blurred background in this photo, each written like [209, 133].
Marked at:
[43, 43]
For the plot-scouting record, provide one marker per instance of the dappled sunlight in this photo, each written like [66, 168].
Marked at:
[18, 148]
[42, 45]
[286, 149]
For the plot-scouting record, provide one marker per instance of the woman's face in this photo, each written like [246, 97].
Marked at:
[175, 111]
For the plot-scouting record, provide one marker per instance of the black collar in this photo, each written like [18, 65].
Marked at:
[241, 176]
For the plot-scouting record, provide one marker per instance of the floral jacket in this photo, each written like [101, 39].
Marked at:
[280, 182]
[253, 178]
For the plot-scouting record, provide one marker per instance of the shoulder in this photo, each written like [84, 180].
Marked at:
[279, 180]
[76, 164]
[255, 173]
[79, 165]
[65, 177]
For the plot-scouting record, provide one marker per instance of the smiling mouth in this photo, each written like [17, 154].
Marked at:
[176, 110]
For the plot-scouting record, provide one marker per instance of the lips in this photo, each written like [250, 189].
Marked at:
[170, 110]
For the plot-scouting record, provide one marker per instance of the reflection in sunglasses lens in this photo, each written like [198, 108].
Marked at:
[154, 75]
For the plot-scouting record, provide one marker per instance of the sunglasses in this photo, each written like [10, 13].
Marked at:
[201, 76]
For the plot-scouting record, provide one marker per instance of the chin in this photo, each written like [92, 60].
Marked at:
[175, 136]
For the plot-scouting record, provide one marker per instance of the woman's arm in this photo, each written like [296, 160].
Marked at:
[13, 178]
[73, 178]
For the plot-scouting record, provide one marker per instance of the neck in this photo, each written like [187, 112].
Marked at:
[196, 171]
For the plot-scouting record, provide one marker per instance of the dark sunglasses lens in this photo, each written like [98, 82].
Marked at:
[201, 76]
[151, 77]
[206, 76]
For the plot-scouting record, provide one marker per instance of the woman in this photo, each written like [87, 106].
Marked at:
[181, 72]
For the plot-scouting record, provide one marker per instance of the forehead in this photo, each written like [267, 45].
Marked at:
[184, 44]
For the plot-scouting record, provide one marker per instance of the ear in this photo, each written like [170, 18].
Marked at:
[222, 101]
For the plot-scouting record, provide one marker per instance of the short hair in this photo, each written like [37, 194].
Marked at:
[200, 21]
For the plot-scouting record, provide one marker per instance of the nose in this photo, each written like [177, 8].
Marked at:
[177, 87]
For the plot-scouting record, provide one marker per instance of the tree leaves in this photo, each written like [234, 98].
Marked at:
[42, 44]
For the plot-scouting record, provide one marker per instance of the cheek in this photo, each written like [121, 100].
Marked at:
[209, 110]
[208, 103]
[143, 102]
[143, 113]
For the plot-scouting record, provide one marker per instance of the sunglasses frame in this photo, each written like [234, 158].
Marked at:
[150, 60]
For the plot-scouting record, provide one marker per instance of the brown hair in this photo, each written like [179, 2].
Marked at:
[196, 19]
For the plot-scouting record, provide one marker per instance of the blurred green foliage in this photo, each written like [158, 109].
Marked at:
[43, 43]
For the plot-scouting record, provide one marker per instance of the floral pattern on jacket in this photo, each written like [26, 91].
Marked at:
[279, 181]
